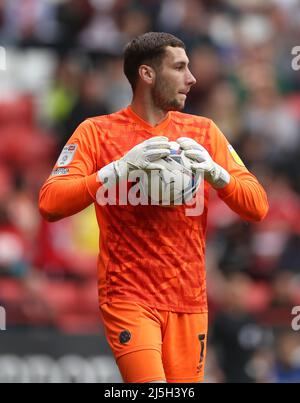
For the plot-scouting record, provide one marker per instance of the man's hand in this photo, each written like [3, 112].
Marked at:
[142, 156]
[217, 176]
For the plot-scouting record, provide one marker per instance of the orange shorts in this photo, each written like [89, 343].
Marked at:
[151, 345]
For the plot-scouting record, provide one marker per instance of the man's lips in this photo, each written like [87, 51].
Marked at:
[184, 92]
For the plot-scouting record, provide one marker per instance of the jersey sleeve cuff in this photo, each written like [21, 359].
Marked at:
[229, 189]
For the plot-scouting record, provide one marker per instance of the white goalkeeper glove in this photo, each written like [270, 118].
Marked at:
[140, 157]
[217, 176]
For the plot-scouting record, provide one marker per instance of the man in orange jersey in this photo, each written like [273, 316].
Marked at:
[152, 286]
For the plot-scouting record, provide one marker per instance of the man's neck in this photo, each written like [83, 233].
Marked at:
[147, 111]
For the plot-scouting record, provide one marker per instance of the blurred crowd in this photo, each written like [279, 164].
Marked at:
[64, 64]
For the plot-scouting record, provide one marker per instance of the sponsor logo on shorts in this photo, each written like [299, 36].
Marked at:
[125, 336]
[201, 338]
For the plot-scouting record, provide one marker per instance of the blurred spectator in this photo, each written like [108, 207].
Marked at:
[287, 366]
[27, 22]
[119, 92]
[285, 295]
[72, 17]
[90, 102]
[267, 116]
[63, 93]
[236, 334]
[68, 249]
[207, 71]
[222, 106]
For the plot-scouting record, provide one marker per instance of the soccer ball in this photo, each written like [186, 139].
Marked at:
[174, 185]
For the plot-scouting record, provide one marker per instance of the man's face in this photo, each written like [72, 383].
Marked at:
[173, 80]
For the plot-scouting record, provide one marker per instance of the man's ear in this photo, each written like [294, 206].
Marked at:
[147, 74]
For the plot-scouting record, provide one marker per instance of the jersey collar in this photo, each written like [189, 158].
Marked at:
[153, 129]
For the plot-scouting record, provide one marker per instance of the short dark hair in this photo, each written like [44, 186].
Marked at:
[148, 48]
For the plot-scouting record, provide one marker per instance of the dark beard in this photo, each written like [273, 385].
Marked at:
[161, 101]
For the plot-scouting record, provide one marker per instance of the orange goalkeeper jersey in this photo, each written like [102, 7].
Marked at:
[149, 254]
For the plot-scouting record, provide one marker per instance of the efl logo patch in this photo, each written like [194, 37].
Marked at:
[60, 171]
[67, 155]
[235, 155]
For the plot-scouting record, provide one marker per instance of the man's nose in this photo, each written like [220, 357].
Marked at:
[191, 79]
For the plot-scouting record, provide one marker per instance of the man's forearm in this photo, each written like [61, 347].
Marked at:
[65, 197]
[246, 197]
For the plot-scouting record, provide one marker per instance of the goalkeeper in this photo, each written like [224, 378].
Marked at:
[152, 282]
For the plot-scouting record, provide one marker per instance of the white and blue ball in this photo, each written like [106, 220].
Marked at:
[176, 184]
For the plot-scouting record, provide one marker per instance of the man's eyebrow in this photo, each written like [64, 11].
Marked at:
[182, 63]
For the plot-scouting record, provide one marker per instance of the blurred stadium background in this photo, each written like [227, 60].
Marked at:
[63, 64]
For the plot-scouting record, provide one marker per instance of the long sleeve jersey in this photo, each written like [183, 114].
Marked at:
[149, 254]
